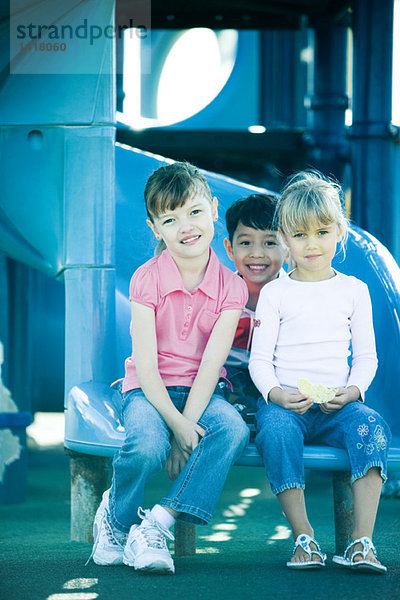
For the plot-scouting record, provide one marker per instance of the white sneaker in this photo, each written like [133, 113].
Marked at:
[146, 548]
[108, 547]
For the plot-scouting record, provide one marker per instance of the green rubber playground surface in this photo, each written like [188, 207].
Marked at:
[241, 554]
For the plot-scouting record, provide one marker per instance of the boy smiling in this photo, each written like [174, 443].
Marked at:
[258, 253]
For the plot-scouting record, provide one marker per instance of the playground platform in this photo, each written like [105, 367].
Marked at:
[240, 555]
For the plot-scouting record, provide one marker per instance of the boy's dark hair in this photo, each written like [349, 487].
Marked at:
[171, 185]
[256, 211]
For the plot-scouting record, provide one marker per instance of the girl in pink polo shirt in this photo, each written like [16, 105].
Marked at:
[185, 309]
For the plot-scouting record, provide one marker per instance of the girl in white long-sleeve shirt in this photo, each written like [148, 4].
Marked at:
[305, 325]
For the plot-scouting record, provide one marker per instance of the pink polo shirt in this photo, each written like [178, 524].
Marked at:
[184, 320]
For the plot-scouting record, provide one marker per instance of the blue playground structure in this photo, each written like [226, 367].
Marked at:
[71, 213]
[93, 408]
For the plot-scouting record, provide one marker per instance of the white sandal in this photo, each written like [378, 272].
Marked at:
[304, 540]
[347, 560]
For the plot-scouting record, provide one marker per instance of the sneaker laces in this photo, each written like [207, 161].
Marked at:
[153, 532]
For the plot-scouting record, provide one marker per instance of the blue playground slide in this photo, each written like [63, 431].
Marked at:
[93, 419]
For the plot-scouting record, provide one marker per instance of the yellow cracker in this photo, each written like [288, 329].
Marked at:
[317, 392]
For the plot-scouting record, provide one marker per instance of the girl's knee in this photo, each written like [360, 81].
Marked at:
[272, 441]
[382, 429]
[228, 426]
[371, 428]
[243, 433]
[146, 450]
[235, 430]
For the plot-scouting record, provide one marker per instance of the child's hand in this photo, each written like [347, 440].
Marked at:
[291, 400]
[342, 397]
[176, 461]
[187, 435]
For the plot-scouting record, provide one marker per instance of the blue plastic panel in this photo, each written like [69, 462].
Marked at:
[15, 419]
[56, 205]
[93, 419]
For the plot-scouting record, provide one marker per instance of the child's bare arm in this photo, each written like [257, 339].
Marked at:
[214, 357]
[186, 431]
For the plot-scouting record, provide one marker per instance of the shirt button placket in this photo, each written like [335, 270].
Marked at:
[188, 316]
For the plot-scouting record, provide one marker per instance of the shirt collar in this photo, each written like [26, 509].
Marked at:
[171, 279]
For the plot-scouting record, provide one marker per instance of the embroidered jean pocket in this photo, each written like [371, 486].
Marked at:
[207, 320]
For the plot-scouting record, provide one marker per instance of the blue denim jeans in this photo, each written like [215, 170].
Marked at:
[281, 435]
[146, 447]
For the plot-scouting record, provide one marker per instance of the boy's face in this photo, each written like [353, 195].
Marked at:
[257, 253]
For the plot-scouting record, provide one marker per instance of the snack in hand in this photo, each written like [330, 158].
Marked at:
[315, 391]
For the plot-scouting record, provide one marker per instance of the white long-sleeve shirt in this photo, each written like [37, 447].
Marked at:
[304, 329]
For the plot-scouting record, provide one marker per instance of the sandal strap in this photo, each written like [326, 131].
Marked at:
[303, 540]
[367, 545]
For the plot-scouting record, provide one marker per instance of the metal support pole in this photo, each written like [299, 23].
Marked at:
[328, 101]
[89, 279]
[283, 79]
[343, 509]
[90, 476]
[373, 199]
[185, 539]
